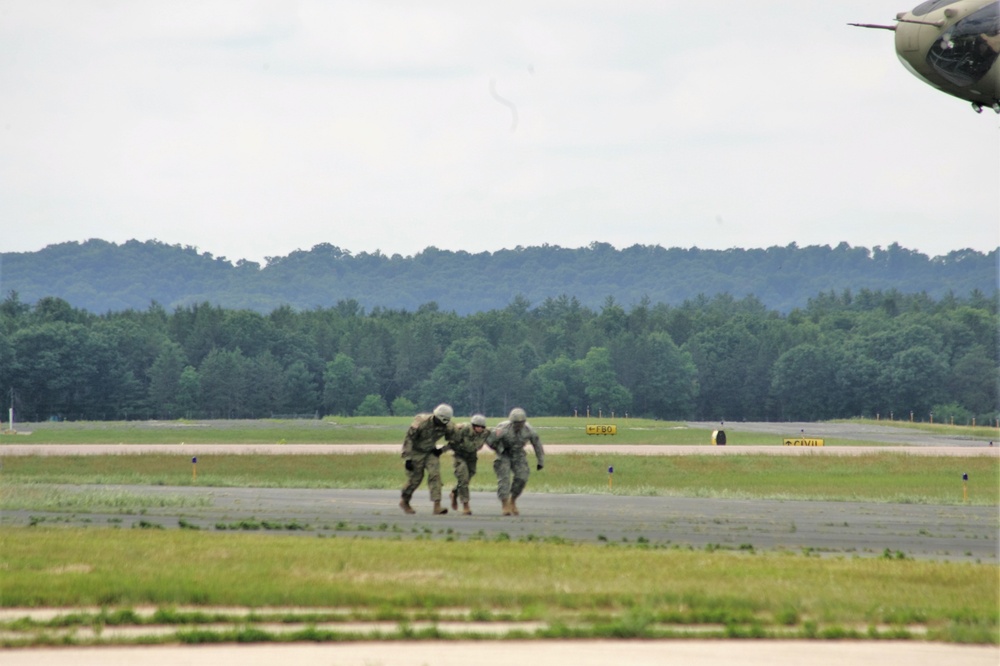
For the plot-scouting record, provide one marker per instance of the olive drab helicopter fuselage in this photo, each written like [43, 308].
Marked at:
[952, 45]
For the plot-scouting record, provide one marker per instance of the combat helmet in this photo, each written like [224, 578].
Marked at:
[443, 413]
[478, 420]
[517, 415]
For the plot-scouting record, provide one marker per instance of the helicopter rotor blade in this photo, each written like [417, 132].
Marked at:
[873, 25]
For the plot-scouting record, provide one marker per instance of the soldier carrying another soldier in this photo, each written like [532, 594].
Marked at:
[421, 454]
[468, 439]
[508, 440]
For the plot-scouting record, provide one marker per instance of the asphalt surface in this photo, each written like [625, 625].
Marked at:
[954, 532]
[886, 434]
[885, 437]
[550, 653]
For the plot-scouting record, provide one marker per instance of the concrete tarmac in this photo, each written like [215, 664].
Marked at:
[940, 532]
[504, 653]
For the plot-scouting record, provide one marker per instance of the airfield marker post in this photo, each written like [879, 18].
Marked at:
[194, 469]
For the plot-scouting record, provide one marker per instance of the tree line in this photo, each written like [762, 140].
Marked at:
[100, 276]
[871, 353]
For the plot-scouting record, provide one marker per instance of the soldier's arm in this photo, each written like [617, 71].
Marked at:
[493, 441]
[479, 442]
[412, 433]
[536, 444]
[452, 435]
[407, 444]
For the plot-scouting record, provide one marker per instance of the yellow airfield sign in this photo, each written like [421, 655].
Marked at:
[602, 429]
[801, 441]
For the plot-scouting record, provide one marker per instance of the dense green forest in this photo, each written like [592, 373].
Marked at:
[99, 276]
[842, 354]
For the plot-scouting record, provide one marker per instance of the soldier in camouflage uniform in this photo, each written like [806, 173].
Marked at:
[469, 438]
[508, 440]
[420, 453]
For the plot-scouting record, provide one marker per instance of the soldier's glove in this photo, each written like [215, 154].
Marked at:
[438, 452]
[409, 465]
[539, 468]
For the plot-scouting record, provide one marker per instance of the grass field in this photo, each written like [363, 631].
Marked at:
[390, 430]
[564, 590]
[176, 585]
[880, 477]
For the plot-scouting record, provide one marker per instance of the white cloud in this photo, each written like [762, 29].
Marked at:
[254, 129]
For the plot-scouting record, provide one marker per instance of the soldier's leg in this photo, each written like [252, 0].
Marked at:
[521, 473]
[502, 468]
[433, 467]
[471, 467]
[414, 478]
[432, 464]
[461, 481]
[470, 471]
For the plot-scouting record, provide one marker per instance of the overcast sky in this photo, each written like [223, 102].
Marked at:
[253, 129]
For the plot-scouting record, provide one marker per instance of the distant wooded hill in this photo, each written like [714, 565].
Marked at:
[100, 276]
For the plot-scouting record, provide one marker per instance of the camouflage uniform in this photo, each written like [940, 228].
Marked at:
[419, 448]
[511, 458]
[465, 444]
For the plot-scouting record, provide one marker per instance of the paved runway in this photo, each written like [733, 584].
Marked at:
[954, 532]
[894, 439]
[504, 653]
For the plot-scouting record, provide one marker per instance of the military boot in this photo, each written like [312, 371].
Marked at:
[466, 511]
[513, 506]
[438, 509]
[404, 504]
[506, 507]
[454, 500]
